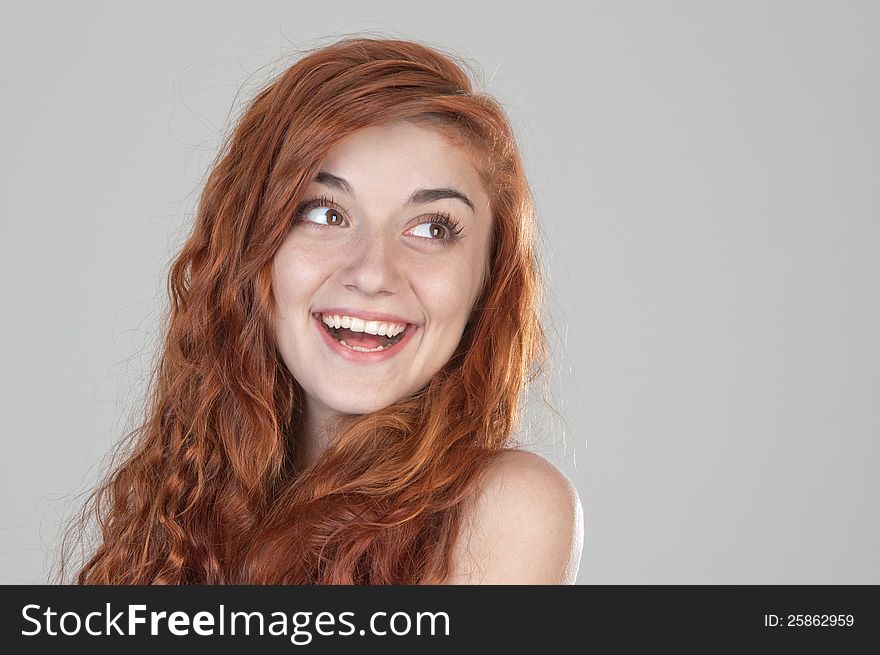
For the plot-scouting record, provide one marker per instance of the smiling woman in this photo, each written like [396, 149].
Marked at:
[382, 257]
[353, 323]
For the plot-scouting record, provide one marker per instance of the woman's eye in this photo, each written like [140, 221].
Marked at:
[431, 230]
[323, 215]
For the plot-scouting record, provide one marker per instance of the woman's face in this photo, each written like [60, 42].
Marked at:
[373, 254]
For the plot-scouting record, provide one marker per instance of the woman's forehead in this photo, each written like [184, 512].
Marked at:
[402, 156]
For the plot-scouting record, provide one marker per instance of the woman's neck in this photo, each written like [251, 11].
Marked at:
[320, 426]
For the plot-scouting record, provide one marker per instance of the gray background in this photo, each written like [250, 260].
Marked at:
[707, 177]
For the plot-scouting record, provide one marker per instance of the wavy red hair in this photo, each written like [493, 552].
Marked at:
[212, 489]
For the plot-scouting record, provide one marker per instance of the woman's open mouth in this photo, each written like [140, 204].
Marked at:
[359, 336]
[363, 342]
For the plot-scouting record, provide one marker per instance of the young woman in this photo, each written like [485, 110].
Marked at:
[353, 322]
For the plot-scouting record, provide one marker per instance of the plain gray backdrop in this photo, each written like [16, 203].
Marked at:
[707, 177]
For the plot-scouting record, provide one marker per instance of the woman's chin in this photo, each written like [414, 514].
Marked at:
[359, 405]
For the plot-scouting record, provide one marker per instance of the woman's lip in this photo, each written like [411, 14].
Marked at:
[356, 356]
[366, 316]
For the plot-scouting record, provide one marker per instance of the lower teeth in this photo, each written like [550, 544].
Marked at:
[362, 350]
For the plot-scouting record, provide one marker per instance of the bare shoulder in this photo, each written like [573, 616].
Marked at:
[523, 525]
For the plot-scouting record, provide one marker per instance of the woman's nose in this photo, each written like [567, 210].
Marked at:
[372, 267]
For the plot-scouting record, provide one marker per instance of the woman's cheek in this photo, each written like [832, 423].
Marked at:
[445, 286]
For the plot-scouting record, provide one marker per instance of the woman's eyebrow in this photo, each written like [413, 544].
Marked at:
[421, 196]
[429, 195]
[328, 179]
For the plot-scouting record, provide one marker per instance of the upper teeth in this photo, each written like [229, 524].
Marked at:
[359, 325]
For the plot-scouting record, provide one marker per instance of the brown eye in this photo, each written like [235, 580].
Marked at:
[321, 214]
[441, 229]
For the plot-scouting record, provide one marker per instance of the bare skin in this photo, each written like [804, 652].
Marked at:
[525, 525]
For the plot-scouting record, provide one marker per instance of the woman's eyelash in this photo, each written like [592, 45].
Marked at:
[307, 206]
[449, 223]
[441, 218]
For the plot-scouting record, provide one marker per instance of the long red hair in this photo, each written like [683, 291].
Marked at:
[212, 489]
